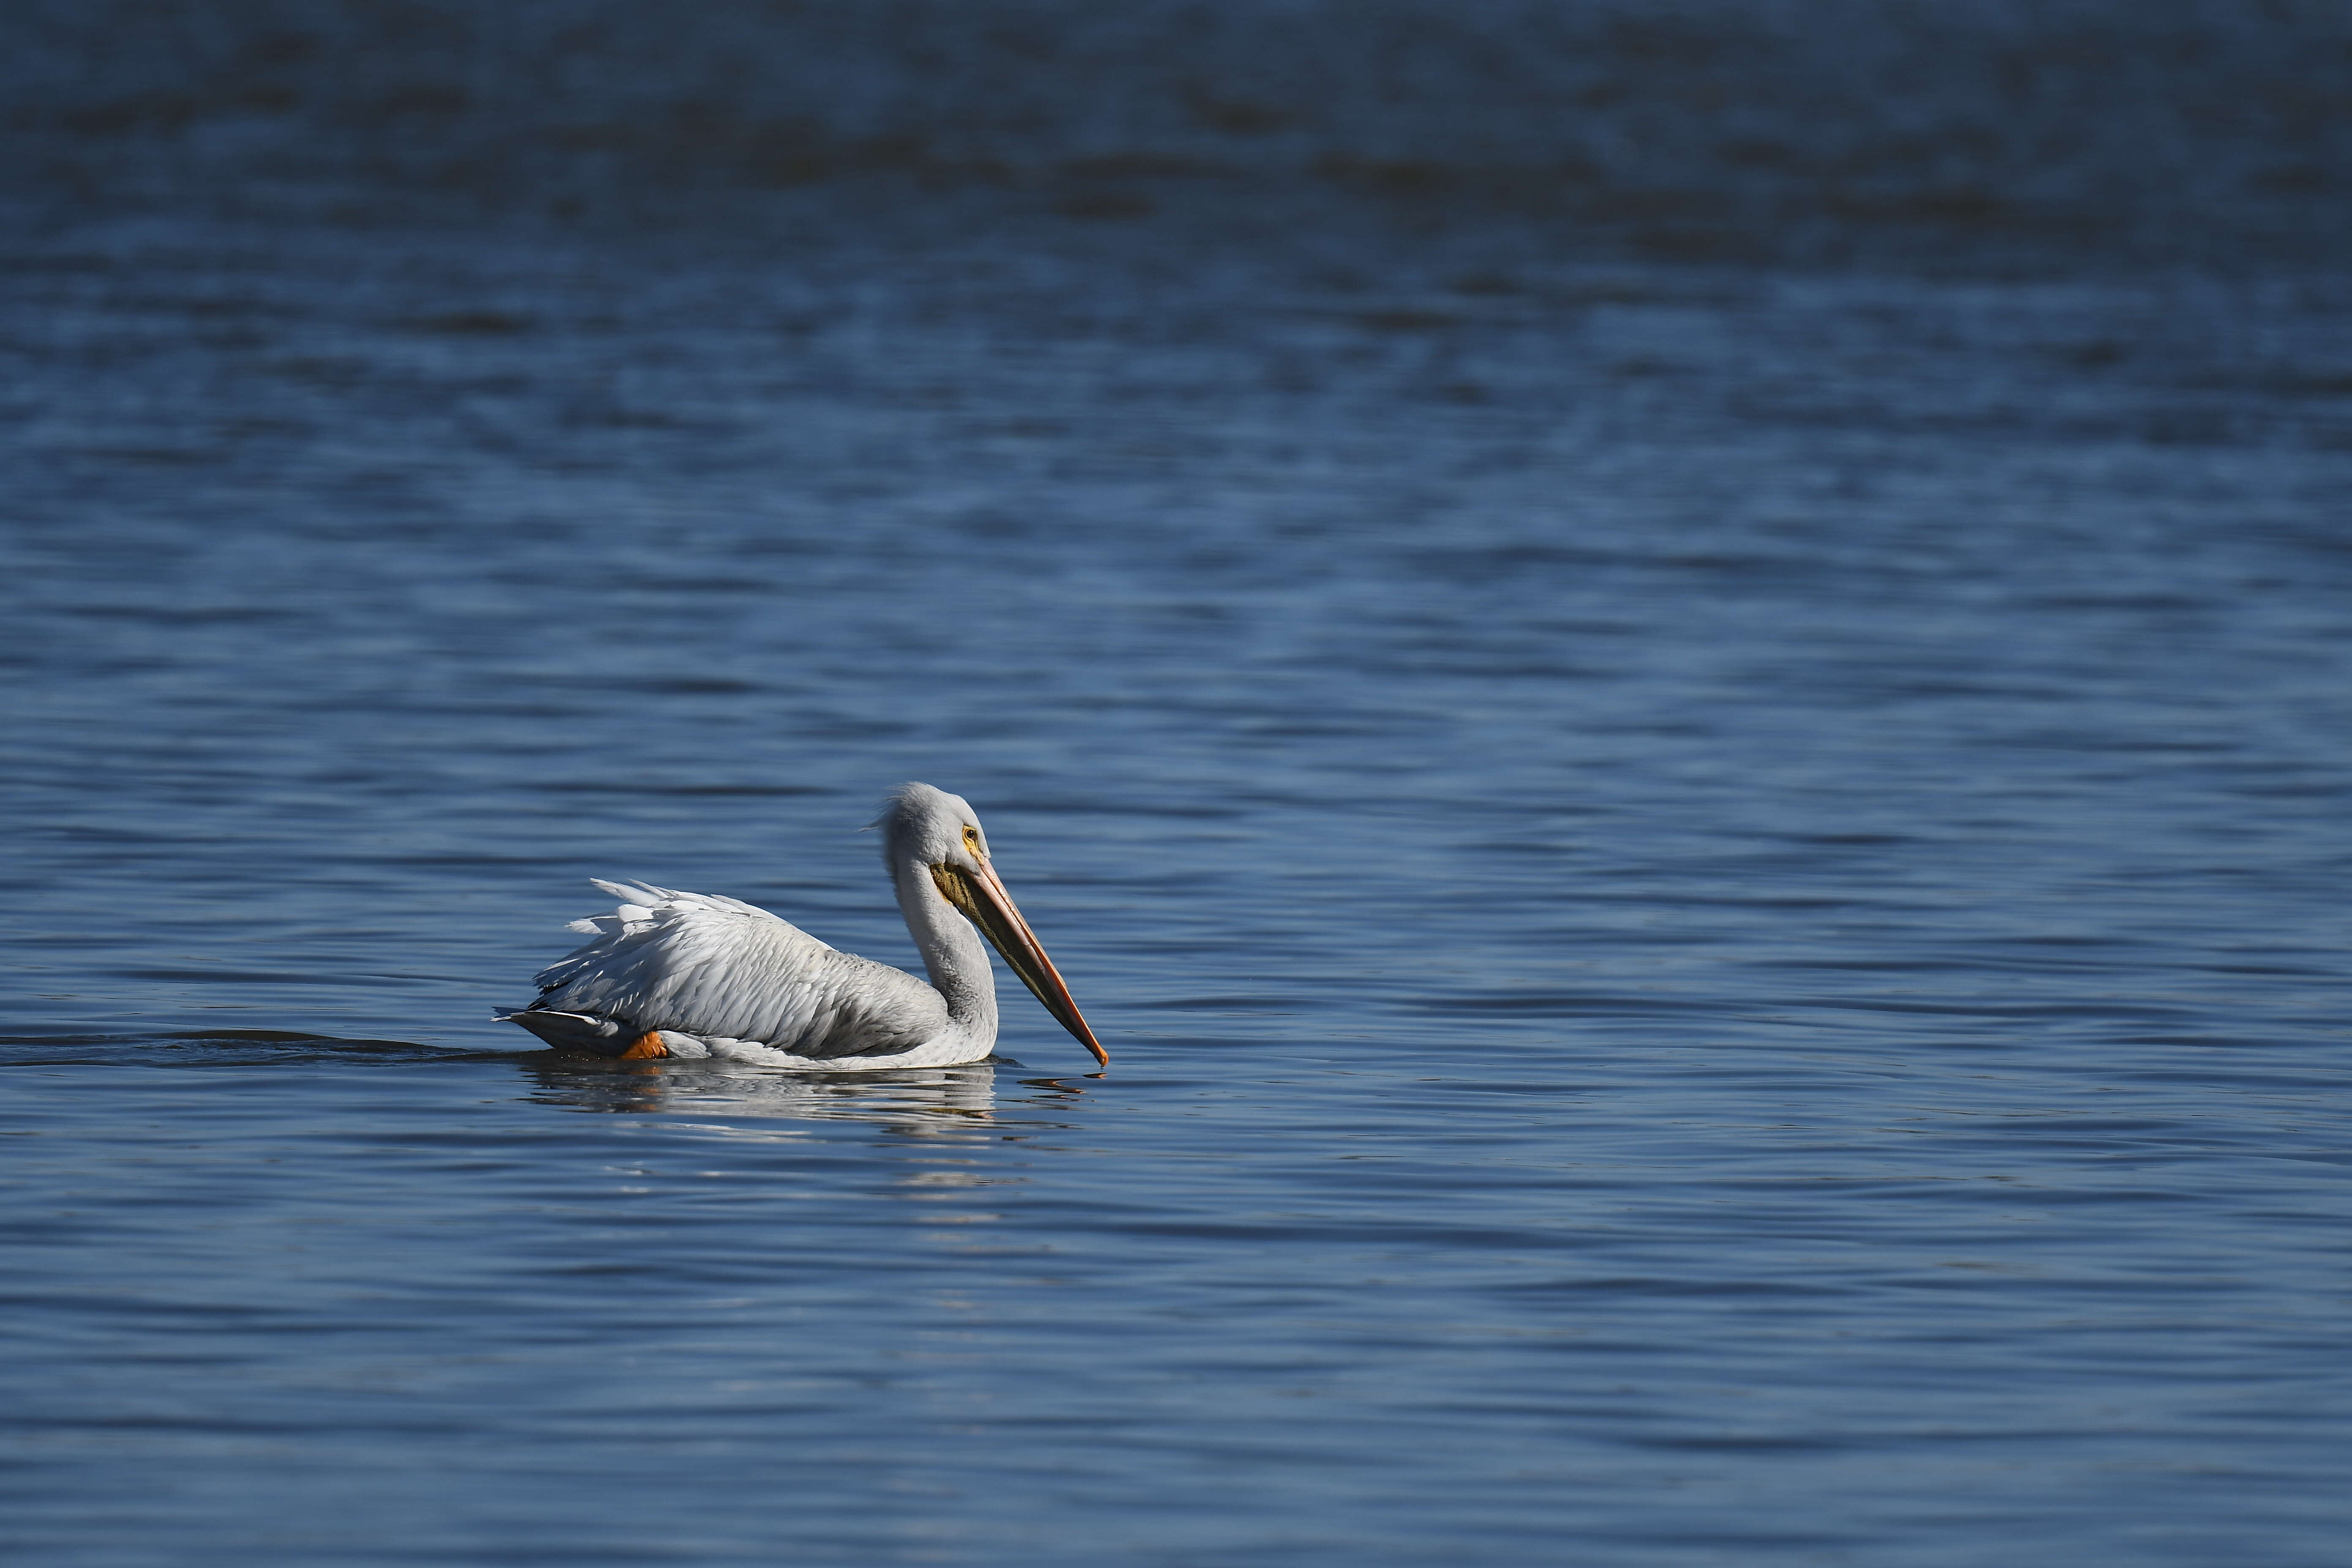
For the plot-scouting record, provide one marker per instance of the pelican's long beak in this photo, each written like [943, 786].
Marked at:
[986, 904]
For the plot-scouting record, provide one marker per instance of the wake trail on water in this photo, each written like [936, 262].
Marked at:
[220, 1048]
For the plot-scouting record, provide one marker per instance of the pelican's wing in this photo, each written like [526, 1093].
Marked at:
[720, 968]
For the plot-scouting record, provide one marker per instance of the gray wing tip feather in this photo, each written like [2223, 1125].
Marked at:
[569, 1031]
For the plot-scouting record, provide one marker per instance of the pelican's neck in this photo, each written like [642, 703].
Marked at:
[952, 950]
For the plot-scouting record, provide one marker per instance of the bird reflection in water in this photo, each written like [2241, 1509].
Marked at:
[933, 1099]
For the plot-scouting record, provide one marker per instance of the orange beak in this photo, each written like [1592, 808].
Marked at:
[986, 904]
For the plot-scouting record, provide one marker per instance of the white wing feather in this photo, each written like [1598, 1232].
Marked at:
[718, 967]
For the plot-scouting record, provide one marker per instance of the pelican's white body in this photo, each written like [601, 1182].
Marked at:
[718, 977]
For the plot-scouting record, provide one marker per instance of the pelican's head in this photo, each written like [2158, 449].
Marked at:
[929, 828]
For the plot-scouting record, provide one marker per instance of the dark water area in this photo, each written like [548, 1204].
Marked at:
[2063, 131]
[1672, 680]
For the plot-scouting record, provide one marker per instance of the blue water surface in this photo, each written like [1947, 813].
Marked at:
[1715, 888]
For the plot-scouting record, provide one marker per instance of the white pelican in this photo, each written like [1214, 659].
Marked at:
[688, 975]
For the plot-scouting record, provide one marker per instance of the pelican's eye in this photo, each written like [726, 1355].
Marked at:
[971, 839]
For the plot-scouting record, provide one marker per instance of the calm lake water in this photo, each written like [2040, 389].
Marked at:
[1715, 886]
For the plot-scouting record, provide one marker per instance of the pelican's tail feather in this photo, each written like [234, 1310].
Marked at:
[571, 1031]
[603, 1036]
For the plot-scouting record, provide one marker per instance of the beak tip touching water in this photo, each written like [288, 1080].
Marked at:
[985, 903]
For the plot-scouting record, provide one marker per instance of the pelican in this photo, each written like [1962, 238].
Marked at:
[689, 974]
